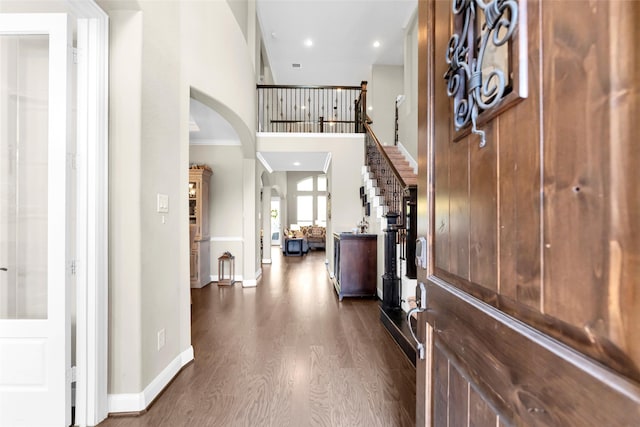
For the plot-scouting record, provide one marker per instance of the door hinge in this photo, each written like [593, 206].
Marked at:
[72, 374]
[72, 161]
[73, 267]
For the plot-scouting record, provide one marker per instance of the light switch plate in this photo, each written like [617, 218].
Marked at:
[163, 203]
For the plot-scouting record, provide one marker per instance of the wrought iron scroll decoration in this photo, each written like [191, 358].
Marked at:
[466, 61]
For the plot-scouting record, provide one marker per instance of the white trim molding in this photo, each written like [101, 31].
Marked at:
[137, 402]
[215, 278]
[226, 239]
[264, 162]
[327, 163]
[216, 142]
[252, 283]
[306, 135]
[92, 211]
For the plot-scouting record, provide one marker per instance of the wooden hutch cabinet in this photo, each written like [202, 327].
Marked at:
[199, 179]
[355, 264]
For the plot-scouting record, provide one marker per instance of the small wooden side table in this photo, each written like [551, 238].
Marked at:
[222, 261]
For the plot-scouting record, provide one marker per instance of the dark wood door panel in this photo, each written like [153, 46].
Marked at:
[597, 347]
[519, 172]
[480, 413]
[459, 209]
[456, 403]
[543, 221]
[576, 75]
[522, 375]
[591, 206]
[437, 25]
[440, 389]
[483, 204]
[542, 225]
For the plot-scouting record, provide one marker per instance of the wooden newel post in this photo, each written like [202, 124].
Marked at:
[390, 280]
[363, 105]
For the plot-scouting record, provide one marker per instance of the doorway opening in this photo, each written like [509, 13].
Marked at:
[275, 221]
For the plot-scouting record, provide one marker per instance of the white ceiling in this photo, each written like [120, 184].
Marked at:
[295, 161]
[343, 33]
[207, 127]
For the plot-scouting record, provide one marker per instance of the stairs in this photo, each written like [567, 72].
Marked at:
[394, 321]
[396, 324]
[401, 164]
[410, 177]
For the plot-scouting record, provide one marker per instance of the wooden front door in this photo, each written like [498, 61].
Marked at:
[533, 280]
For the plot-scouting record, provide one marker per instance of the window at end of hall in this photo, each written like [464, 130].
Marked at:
[314, 202]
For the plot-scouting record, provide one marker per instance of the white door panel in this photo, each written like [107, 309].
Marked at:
[34, 286]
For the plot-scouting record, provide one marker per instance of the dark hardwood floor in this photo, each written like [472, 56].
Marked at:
[286, 353]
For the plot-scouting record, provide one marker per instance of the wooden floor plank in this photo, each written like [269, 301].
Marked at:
[286, 353]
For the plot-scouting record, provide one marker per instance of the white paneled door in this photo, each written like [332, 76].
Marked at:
[35, 269]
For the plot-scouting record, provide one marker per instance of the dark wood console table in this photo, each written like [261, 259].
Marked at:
[355, 264]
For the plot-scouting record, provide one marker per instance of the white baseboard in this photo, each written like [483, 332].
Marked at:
[137, 402]
[202, 285]
[214, 278]
[252, 283]
[249, 283]
[266, 260]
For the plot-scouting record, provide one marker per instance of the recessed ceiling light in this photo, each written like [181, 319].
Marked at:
[296, 163]
[376, 43]
[308, 42]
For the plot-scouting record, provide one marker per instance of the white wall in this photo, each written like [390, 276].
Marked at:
[125, 228]
[265, 212]
[252, 265]
[408, 111]
[163, 295]
[218, 67]
[240, 12]
[279, 182]
[343, 175]
[225, 201]
[280, 188]
[160, 56]
[385, 85]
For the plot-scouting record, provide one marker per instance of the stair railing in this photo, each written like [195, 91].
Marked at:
[318, 109]
[399, 197]
[392, 186]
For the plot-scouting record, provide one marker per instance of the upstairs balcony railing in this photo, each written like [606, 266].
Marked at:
[321, 109]
[342, 109]
[332, 109]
